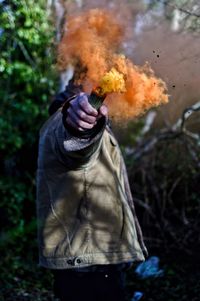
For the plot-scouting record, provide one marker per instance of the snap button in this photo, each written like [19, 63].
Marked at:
[69, 261]
[77, 261]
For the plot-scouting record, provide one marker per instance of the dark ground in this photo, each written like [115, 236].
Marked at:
[25, 281]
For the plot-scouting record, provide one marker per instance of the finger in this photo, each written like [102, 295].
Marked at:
[85, 117]
[73, 124]
[84, 125]
[81, 103]
[86, 106]
[103, 110]
[75, 116]
[79, 122]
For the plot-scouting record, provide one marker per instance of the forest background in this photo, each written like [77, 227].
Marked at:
[161, 149]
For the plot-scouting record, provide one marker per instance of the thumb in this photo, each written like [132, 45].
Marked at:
[103, 111]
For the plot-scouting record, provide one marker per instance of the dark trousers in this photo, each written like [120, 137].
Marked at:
[105, 285]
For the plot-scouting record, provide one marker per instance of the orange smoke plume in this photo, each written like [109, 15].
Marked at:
[90, 43]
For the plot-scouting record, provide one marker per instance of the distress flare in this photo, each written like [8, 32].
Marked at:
[112, 81]
[90, 43]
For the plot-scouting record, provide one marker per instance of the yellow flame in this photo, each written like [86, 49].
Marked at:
[112, 81]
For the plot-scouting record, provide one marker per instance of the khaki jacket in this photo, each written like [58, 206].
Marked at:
[85, 210]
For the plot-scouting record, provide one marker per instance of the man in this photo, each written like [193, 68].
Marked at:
[87, 228]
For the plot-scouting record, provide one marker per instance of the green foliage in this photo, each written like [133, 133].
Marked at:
[26, 72]
[13, 195]
[27, 83]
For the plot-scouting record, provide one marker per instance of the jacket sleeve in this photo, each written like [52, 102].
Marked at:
[62, 97]
[76, 149]
[75, 152]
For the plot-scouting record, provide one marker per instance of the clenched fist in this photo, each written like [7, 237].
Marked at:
[81, 115]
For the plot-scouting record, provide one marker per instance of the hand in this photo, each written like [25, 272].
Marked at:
[81, 115]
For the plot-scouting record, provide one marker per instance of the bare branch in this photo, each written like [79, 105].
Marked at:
[183, 10]
[188, 112]
[26, 54]
[175, 131]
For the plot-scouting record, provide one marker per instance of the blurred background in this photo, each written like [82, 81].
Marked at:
[161, 148]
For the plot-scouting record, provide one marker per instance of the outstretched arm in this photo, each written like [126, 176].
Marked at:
[76, 130]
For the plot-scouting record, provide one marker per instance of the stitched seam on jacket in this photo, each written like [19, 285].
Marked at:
[54, 212]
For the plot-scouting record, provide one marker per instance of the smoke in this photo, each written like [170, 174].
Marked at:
[175, 57]
[91, 42]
